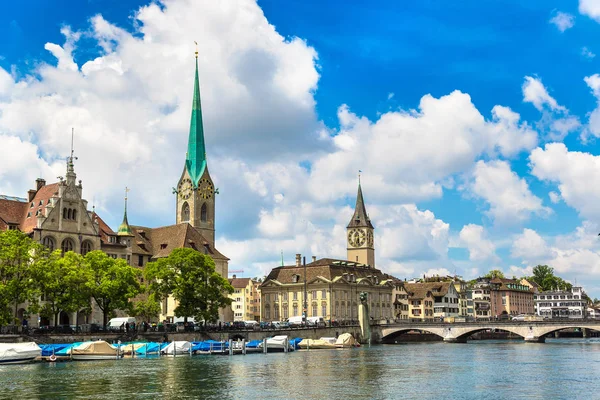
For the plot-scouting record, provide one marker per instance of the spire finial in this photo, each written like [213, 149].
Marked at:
[359, 172]
[196, 49]
[124, 229]
[126, 190]
[282, 258]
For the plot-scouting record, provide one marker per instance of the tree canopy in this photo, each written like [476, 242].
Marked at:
[544, 276]
[190, 277]
[493, 274]
[112, 282]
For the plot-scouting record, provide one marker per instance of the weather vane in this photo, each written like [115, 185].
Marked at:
[196, 48]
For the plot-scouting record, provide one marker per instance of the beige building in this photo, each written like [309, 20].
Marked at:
[462, 289]
[332, 291]
[330, 288]
[420, 302]
[400, 296]
[242, 298]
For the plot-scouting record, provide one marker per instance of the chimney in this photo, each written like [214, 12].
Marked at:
[298, 260]
[40, 183]
[314, 258]
[233, 276]
[31, 194]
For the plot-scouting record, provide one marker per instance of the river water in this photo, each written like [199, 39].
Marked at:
[557, 369]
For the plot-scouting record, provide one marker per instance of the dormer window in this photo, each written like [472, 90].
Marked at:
[163, 246]
[41, 202]
[31, 205]
[28, 214]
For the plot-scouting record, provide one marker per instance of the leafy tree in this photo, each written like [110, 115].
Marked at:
[544, 276]
[112, 282]
[62, 282]
[190, 277]
[18, 257]
[147, 308]
[493, 274]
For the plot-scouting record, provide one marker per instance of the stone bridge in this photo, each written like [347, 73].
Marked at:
[531, 331]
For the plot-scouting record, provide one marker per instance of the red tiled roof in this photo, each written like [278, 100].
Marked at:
[39, 202]
[239, 283]
[12, 211]
[103, 227]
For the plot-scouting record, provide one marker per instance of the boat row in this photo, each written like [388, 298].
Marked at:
[17, 353]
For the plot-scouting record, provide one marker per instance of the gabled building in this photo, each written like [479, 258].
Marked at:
[242, 298]
[420, 302]
[445, 297]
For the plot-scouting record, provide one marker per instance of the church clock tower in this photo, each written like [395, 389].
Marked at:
[195, 190]
[361, 247]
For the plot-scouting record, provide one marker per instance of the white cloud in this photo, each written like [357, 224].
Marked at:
[508, 196]
[593, 83]
[563, 21]
[535, 92]
[554, 197]
[591, 8]
[530, 246]
[475, 239]
[572, 171]
[587, 53]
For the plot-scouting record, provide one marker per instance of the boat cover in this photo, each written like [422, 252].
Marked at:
[97, 347]
[49, 349]
[345, 340]
[179, 347]
[17, 351]
[209, 345]
[150, 348]
[316, 344]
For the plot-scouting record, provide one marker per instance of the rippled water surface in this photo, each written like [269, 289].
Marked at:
[558, 369]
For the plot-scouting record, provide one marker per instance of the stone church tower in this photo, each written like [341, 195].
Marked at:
[361, 247]
[195, 190]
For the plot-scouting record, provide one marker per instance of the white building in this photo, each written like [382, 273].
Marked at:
[561, 303]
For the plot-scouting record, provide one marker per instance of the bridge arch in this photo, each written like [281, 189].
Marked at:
[548, 330]
[390, 336]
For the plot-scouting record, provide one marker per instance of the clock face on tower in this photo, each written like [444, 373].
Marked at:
[205, 188]
[369, 239]
[185, 189]
[356, 237]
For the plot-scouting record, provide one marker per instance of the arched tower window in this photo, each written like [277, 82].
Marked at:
[49, 242]
[65, 213]
[86, 247]
[185, 212]
[69, 214]
[74, 214]
[204, 213]
[67, 245]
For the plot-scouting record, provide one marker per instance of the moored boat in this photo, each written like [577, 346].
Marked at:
[278, 344]
[323, 343]
[178, 347]
[98, 350]
[19, 353]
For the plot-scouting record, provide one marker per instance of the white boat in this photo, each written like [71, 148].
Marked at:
[346, 340]
[316, 344]
[278, 344]
[177, 348]
[98, 350]
[19, 353]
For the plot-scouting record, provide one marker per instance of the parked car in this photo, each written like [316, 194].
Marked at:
[63, 329]
[520, 317]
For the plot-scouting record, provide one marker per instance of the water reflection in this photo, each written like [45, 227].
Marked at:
[558, 369]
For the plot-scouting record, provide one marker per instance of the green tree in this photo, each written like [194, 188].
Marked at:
[62, 281]
[147, 308]
[493, 274]
[112, 282]
[19, 255]
[190, 277]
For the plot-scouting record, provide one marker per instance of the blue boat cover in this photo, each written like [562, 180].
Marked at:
[49, 349]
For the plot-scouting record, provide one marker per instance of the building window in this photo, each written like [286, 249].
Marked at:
[295, 310]
[314, 310]
[86, 247]
[323, 310]
[185, 212]
[67, 245]
[267, 312]
[141, 262]
[204, 213]
[323, 294]
[285, 313]
[49, 242]
[295, 295]
[313, 294]
[276, 312]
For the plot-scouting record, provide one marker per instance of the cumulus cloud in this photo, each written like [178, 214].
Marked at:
[563, 21]
[530, 246]
[587, 53]
[535, 92]
[475, 239]
[591, 8]
[509, 197]
[572, 172]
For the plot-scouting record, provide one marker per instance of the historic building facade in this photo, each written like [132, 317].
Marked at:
[57, 216]
[328, 287]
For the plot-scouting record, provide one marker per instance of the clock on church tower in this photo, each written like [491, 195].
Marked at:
[195, 190]
[360, 238]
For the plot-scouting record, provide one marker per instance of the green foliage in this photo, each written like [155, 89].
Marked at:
[544, 276]
[62, 281]
[191, 279]
[493, 274]
[112, 282]
[19, 255]
[148, 308]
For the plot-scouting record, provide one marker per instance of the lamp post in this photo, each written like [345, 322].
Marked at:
[305, 305]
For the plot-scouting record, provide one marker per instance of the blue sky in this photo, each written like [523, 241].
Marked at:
[473, 123]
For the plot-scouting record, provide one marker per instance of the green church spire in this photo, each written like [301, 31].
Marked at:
[124, 229]
[195, 160]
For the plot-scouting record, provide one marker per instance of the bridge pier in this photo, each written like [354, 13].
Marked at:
[455, 340]
[536, 339]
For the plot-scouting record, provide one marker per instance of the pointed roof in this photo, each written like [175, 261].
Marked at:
[360, 219]
[124, 229]
[195, 160]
